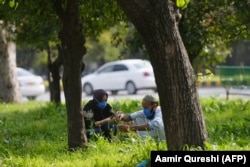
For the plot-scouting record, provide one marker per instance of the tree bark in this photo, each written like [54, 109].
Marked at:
[72, 42]
[157, 23]
[50, 78]
[9, 86]
[54, 76]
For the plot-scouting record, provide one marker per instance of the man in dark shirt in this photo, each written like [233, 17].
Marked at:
[98, 116]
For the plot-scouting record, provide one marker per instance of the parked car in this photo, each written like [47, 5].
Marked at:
[31, 85]
[129, 74]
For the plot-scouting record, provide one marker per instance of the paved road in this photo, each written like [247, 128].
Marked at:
[203, 92]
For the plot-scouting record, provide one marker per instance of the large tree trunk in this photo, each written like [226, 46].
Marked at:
[157, 22]
[72, 42]
[9, 86]
[54, 76]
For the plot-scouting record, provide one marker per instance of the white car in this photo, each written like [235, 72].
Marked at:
[129, 74]
[31, 85]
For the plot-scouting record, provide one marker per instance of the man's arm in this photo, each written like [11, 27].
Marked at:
[106, 120]
[142, 127]
[123, 117]
[128, 128]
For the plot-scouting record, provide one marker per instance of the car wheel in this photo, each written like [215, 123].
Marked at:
[87, 88]
[130, 87]
[114, 92]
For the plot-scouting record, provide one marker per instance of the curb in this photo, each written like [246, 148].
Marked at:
[209, 83]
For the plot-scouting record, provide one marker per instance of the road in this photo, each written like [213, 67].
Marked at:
[203, 92]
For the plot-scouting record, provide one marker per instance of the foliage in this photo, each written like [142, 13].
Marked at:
[128, 40]
[207, 75]
[37, 23]
[101, 50]
[182, 3]
[211, 55]
[208, 30]
[37, 26]
[127, 105]
[99, 16]
[35, 134]
[228, 121]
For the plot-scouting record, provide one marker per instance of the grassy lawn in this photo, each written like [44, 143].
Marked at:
[34, 134]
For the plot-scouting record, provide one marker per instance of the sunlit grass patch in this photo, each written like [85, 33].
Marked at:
[35, 135]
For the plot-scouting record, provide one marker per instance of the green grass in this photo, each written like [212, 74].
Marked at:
[228, 122]
[35, 135]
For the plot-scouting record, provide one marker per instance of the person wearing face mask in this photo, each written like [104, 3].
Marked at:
[98, 116]
[147, 121]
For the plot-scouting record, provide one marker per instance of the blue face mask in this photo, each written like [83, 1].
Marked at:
[102, 104]
[147, 112]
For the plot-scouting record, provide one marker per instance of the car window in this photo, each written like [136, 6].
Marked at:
[106, 69]
[21, 72]
[120, 67]
[143, 64]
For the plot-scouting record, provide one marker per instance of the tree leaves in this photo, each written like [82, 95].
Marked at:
[12, 3]
[182, 3]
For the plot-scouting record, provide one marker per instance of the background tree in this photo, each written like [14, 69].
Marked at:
[100, 51]
[37, 27]
[72, 43]
[157, 22]
[127, 39]
[9, 86]
[72, 47]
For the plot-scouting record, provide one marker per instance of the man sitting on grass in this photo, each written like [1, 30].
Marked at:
[149, 119]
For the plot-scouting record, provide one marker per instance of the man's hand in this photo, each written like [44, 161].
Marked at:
[97, 123]
[106, 120]
[126, 128]
[119, 115]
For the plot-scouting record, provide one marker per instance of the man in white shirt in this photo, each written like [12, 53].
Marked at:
[147, 121]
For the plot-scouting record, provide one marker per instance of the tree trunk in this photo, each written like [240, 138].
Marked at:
[50, 78]
[54, 76]
[157, 22]
[72, 42]
[9, 86]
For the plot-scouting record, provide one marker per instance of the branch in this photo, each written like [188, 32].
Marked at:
[59, 60]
